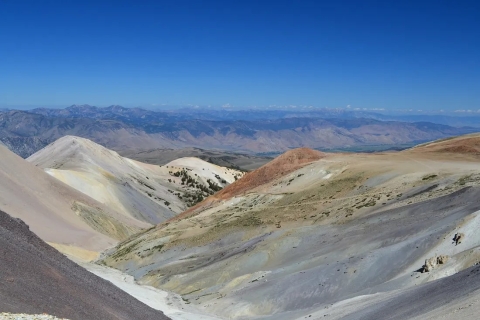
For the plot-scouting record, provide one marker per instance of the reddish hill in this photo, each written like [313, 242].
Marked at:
[468, 144]
[278, 167]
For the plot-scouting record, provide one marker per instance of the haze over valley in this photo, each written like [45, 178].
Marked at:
[136, 131]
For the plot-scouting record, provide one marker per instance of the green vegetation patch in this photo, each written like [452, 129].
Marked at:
[429, 177]
[102, 222]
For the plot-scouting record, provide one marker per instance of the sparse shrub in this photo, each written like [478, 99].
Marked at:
[429, 177]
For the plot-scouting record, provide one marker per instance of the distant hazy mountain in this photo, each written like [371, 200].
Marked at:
[123, 129]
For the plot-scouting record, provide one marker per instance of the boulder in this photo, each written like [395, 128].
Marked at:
[433, 262]
[458, 238]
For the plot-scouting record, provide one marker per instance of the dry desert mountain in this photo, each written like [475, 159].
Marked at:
[58, 213]
[146, 192]
[318, 235]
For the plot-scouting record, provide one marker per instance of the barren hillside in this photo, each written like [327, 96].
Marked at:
[145, 192]
[58, 213]
[320, 234]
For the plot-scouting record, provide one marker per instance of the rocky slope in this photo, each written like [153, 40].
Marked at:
[35, 278]
[145, 192]
[333, 232]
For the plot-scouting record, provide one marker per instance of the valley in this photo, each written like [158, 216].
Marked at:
[334, 227]
[308, 234]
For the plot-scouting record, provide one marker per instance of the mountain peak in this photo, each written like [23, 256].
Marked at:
[278, 167]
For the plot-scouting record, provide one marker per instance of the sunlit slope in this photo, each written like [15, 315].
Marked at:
[341, 226]
[56, 212]
[145, 192]
[280, 166]
[467, 146]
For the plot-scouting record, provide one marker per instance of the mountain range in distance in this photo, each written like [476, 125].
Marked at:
[128, 130]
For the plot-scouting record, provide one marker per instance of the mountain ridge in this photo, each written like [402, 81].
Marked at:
[123, 129]
[27, 189]
[145, 192]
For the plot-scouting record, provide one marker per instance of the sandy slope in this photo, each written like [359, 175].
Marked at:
[56, 212]
[141, 191]
[343, 227]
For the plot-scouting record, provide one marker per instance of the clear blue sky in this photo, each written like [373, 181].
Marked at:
[373, 54]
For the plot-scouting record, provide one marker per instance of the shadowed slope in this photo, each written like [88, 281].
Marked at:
[455, 297]
[36, 278]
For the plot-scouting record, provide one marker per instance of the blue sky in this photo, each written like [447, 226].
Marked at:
[368, 54]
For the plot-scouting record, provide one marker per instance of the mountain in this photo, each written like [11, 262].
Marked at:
[58, 213]
[190, 113]
[145, 192]
[36, 278]
[123, 129]
[327, 235]
[25, 132]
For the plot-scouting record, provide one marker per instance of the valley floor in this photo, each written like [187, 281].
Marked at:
[170, 304]
[363, 306]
